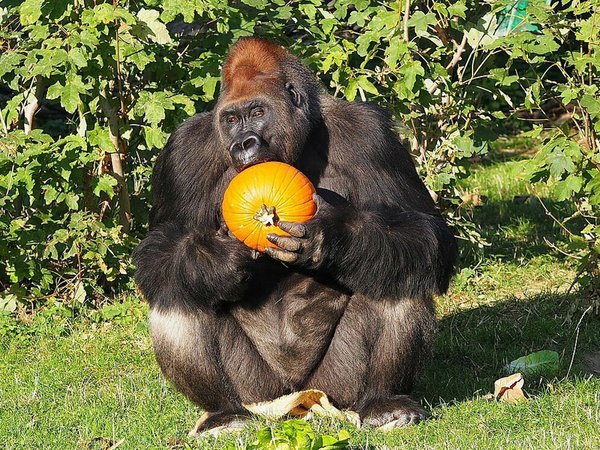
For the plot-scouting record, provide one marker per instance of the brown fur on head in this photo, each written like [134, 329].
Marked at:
[252, 67]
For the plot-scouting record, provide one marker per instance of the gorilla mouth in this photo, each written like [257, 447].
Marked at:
[253, 163]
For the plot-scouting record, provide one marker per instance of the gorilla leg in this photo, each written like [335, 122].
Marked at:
[210, 360]
[376, 353]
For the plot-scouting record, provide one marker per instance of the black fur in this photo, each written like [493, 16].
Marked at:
[351, 312]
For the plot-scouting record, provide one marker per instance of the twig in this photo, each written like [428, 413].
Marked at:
[548, 213]
[453, 62]
[554, 247]
[3, 122]
[406, 16]
[577, 339]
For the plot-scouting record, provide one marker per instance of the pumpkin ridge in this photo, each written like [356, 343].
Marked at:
[298, 191]
[283, 197]
[279, 177]
[299, 211]
[252, 234]
[279, 169]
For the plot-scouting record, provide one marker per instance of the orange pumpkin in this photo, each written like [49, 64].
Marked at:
[260, 196]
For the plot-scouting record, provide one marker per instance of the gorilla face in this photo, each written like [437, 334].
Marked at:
[245, 132]
[269, 127]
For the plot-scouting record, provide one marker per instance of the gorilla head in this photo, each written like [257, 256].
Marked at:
[268, 104]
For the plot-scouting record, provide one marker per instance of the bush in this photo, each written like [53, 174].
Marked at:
[90, 90]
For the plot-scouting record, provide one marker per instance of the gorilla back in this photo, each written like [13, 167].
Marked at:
[345, 303]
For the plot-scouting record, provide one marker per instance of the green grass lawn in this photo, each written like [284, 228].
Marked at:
[91, 382]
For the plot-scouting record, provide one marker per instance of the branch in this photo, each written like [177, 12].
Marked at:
[34, 97]
[116, 160]
[453, 62]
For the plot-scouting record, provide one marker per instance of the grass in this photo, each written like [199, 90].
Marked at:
[89, 383]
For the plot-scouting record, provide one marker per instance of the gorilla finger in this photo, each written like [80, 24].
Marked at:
[287, 243]
[281, 255]
[223, 230]
[254, 254]
[294, 228]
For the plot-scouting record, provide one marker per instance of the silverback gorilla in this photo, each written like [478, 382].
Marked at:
[345, 304]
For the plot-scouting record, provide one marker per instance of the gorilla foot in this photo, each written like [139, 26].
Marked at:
[393, 412]
[216, 423]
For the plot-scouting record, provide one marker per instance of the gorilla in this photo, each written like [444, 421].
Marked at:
[344, 304]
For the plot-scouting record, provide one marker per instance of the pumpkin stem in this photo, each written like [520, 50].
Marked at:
[266, 215]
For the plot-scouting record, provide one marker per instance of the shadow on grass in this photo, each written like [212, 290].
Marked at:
[520, 228]
[474, 345]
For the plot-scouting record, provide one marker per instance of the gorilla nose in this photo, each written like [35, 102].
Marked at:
[246, 150]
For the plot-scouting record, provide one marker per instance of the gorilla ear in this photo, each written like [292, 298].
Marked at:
[297, 98]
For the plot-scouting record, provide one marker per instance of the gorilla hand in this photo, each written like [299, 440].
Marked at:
[224, 235]
[306, 244]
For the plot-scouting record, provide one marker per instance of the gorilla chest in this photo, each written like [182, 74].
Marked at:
[292, 326]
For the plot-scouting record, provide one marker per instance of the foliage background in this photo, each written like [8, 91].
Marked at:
[90, 90]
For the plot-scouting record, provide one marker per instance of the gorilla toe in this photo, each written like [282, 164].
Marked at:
[394, 412]
[218, 423]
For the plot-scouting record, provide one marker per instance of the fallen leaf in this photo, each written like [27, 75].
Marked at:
[510, 389]
[303, 404]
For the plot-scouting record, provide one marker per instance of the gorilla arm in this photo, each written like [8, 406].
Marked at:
[195, 266]
[382, 252]
[186, 257]
[388, 240]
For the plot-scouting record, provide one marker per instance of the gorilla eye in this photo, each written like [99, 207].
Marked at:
[259, 112]
[232, 119]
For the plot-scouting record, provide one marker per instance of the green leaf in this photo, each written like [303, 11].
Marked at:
[72, 201]
[79, 294]
[30, 11]
[8, 303]
[106, 184]
[100, 137]
[408, 74]
[70, 94]
[558, 163]
[136, 54]
[593, 186]
[591, 104]
[542, 362]
[187, 8]
[569, 94]
[159, 34]
[396, 51]
[366, 85]
[564, 189]
[104, 13]
[77, 57]
[9, 61]
[351, 90]
[420, 21]
[458, 9]
[589, 29]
